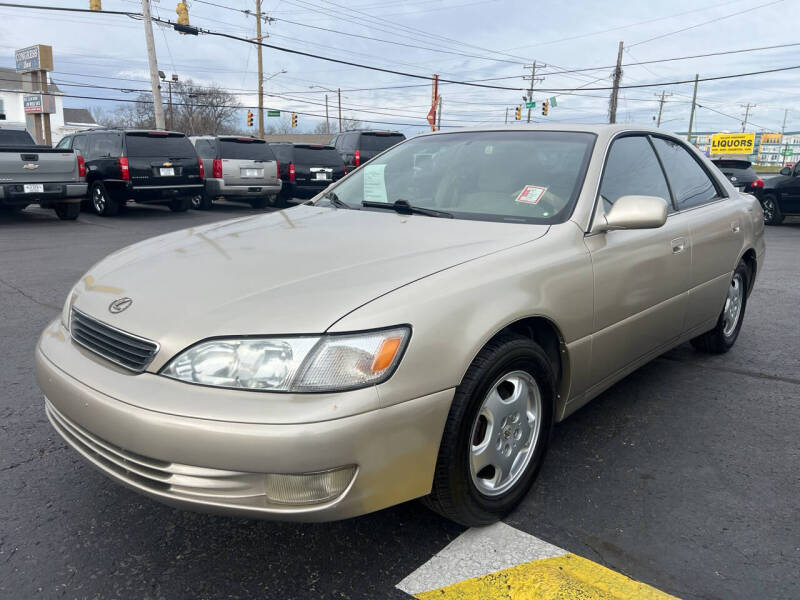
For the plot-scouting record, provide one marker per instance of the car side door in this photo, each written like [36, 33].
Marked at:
[716, 230]
[790, 192]
[640, 275]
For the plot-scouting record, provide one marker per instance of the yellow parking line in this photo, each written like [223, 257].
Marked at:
[566, 577]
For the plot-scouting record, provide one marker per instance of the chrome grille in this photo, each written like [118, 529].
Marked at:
[122, 348]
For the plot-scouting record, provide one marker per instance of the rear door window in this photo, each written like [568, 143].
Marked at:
[105, 145]
[245, 149]
[170, 146]
[378, 142]
[80, 144]
[632, 169]
[690, 183]
[317, 156]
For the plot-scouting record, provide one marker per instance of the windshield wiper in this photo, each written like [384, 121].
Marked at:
[334, 200]
[404, 208]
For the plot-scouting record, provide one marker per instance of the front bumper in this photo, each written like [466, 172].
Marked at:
[222, 466]
[217, 187]
[13, 194]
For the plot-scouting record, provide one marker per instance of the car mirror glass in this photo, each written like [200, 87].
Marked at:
[633, 212]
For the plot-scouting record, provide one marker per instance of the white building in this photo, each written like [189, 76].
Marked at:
[12, 112]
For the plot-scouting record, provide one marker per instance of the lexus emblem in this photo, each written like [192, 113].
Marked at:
[117, 306]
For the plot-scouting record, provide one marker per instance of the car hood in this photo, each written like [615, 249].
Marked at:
[292, 271]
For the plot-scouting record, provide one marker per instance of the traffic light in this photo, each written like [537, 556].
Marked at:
[518, 114]
[545, 107]
[183, 13]
[294, 119]
[95, 5]
[249, 118]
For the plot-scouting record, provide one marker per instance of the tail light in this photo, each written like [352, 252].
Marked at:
[216, 168]
[758, 184]
[291, 172]
[202, 168]
[278, 169]
[357, 157]
[124, 169]
[81, 166]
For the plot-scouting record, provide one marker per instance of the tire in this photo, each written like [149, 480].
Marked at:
[772, 212]
[259, 202]
[202, 201]
[180, 204]
[722, 338]
[103, 203]
[68, 212]
[467, 488]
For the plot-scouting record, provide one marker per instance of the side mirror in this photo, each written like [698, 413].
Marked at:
[785, 171]
[634, 212]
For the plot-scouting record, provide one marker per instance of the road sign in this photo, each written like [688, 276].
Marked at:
[787, 151]
[530, 105]
[273, 113]
[37, 104]
[34, 58]
[733, 143]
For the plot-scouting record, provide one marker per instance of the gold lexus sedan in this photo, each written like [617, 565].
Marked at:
[414, 331]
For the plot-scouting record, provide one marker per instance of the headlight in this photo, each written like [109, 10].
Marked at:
[327, 363]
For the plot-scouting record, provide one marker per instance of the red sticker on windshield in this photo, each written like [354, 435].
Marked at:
[531, 194]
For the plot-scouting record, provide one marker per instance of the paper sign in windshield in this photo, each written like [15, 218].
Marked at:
[531, 194]
[374, 183]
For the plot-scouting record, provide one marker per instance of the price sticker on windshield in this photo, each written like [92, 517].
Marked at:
[531, 194]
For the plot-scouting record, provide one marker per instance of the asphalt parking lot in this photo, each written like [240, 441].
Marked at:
[684, 475]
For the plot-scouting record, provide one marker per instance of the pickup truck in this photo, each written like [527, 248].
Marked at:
[29, 173]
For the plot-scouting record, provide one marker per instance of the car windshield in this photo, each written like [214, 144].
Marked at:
[245, 149]
[514, 176]
[157, 144]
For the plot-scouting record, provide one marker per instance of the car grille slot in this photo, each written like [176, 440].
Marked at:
[122, 348]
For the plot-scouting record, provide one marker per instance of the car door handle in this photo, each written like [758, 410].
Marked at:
[735, 227]
[678, 245]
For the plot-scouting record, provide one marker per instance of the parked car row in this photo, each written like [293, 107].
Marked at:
[106, 168]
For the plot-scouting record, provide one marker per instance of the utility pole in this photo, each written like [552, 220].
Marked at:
[506, 115]
[260, 72]
[694, 103]
[661, 107]
[439, 117]
[158, 107]
[339, 93]
[783, 132]
[327, 122]
[533, 79]
[747, 108]
[612, 103]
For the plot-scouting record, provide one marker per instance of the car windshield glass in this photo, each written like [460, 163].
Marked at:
[378, 142]
[319, 156]
[514, 176]
[245, 149]
[9, 137]
[171, 146]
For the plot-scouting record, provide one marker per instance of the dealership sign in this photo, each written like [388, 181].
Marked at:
[37, 104]
[34, 58]
[733, 143]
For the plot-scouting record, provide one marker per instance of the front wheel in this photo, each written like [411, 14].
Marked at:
[68, 212]
[496, 434]
[201, 201]
[772, 212]
[722, 338]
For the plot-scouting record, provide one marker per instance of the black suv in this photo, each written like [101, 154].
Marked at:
[306, 169]
[153, 167]
[357, 147]
[780, 195]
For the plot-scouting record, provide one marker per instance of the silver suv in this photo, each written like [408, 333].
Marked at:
[237, 168]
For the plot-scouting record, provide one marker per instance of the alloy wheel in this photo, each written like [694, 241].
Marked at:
[769, 210]
[733, 305]
[99, 200]
[505, 433]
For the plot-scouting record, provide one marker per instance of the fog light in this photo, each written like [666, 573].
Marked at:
[307, 488]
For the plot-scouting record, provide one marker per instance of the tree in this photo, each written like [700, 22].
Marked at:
[351, 123]
[324, 127]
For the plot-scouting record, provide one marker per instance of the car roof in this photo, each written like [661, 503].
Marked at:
[131, 130]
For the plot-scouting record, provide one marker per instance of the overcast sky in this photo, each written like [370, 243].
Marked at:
[501, 35]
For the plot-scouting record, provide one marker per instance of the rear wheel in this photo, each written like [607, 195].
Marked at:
[721, 339]
[496, 434]
[103, 203]
[202, 201]
[68, 212]
[180, 204]
[772, 212]
[259, 202]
